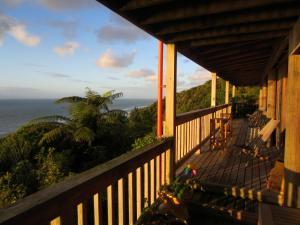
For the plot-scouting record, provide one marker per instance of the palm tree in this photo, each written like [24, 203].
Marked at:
[86, 114]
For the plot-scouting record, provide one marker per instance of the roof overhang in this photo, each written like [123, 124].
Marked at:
[238, 39]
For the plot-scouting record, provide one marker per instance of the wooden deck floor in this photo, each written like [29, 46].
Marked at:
[231, 167]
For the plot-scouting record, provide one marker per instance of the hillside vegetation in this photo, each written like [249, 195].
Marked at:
[50, 148]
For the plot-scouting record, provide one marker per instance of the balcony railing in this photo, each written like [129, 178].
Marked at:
[116, 191]
[193, 130]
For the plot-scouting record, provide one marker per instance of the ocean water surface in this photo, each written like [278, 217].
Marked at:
[15, 113]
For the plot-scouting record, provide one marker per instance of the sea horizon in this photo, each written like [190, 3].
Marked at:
[16, 112]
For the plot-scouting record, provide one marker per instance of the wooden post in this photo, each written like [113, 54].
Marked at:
[171, 73]
[271, 100]
[264, 95]
[260, 103]
[233, 91]
[160, 90]
[227, 92]
[292, 138]
[213, 89]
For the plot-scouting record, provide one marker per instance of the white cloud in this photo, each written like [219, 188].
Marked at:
[66, 4]
[110, 60]
[68, 48]
[56, 5]
[120, 30]
[142, 73]
[17, 30]
[200, 76]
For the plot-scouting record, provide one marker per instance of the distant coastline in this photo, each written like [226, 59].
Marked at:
[16, 112]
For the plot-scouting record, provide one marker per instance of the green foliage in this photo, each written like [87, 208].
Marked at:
[144, 141]
[49, 148]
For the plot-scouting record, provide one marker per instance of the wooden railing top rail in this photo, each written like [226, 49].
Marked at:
[188, 116]
[51, 202]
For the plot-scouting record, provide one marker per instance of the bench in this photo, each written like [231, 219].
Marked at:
[250, 128]
[257, 147]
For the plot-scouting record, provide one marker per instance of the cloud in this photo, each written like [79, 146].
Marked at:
[12, 3]
[63, 76]
[199, 76]
[120, 30]
[68, 28]
[142, 73]
[17, 30]
[54, 75]
[66, 4]
[110, 60]
[55, 4]
[67, 49]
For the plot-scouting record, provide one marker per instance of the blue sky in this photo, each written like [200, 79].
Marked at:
[55, 48]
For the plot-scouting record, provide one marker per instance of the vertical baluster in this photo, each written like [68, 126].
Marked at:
[181, 140]
[176, 144]
[138, 192]
[82, 213]
[110, 205]
[121, 202]
[163, 168]
[169, 166]
[178, 141]
[131, 198]
[97, 209]
[146, 185]
[158, 173]
[152, 180]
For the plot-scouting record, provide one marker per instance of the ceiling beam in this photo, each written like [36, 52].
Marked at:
[206, 8]
[238, 38]
[234, 30]
[238, 51]
[259, 15]
[231, 56]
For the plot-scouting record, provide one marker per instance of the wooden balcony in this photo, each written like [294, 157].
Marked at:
[244, 42]
[117, 191]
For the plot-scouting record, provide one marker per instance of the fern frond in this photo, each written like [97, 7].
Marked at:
[53, 135]
[84, 134]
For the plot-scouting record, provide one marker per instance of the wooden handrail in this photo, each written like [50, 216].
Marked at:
[45, 205]
[188, 116]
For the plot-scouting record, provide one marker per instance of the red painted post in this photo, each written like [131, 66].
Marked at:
[160, 89]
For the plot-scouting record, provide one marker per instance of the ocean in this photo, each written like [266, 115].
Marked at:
[15, 113]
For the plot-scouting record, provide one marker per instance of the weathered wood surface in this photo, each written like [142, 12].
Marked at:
[231, 168]
[275, 215]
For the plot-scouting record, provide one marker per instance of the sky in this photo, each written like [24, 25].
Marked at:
[57, 48]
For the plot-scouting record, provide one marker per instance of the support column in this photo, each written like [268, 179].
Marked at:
[260, 103]
[233, 91]
[292, 140]
[264, 95]
[227, 92]
[170, 112]
[271, 99]
[292, 137]
[213, 89]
